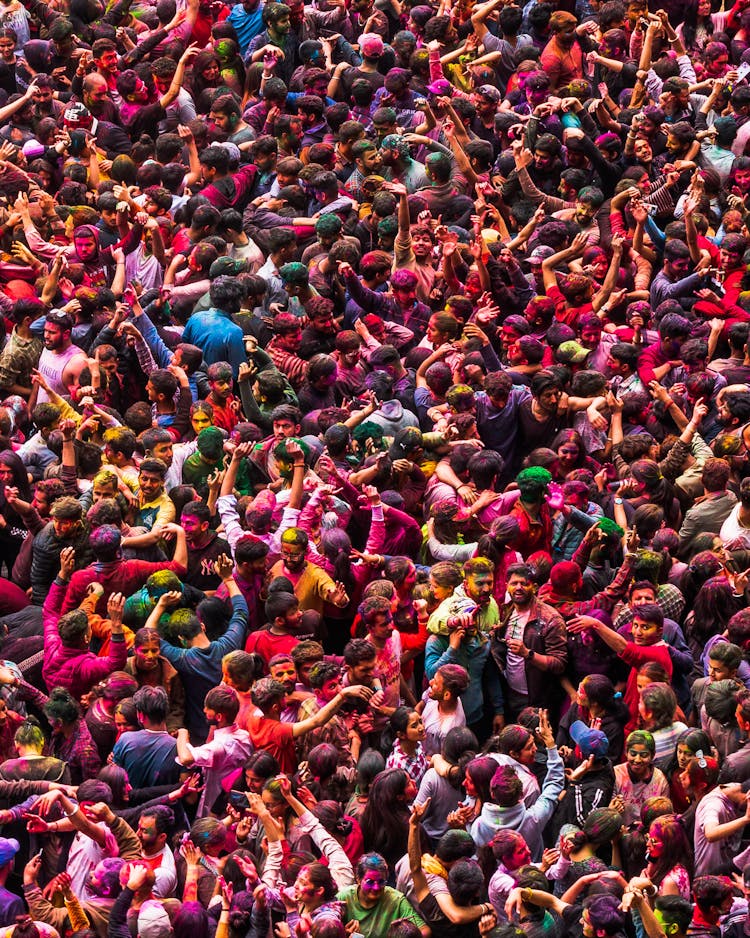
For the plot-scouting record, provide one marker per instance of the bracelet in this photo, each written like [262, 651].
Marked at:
[73, 812]
[526, 894]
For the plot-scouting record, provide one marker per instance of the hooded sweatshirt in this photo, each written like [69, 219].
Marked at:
[529, 822]
[392, 417]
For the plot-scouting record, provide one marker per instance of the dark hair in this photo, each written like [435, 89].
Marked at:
[385, 821]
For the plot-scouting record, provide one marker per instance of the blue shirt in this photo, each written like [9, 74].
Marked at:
[201, 667]
[220, 338]
[247, 25]
[148, 758]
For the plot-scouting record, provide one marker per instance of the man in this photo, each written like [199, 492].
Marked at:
[367, 162]
[112, 572]
[148, 755]
[278, 34]
[204, 546]
[401, 168]
[68, 662]
[648, 645]
[222, 188]
[155, 507]
[713, 899]
[673, 280]
[247, 19]
[213, 331]
[712, 509]
[497, 415]
[269, 733]
[227, 750]
[22, 351]
[529, 645]
[282, 244]
[11, 905]
[199, 661]
[61, 362]
[473, 596]
[312, 585]
[371, 907]
[154, 825]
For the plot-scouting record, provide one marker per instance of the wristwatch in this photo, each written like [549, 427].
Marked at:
[618, 500]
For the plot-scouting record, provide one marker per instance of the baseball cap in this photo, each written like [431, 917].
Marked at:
[153, 921]
[9, 847]
[440, 86]
[225, 266]
[489, 91]
[590, 742]
[371, 45]
[572, 352]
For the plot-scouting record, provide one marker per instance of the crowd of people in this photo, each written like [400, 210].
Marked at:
[374, 469]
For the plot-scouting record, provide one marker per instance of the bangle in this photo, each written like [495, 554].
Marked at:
[526, 894]
[72, 813]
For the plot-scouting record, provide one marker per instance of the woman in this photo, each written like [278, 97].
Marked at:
[100, 716]
[150, 669]
[477, 782]
[385, 821]
[10, 57]
[581, 846]
[499, 547]
[443, 782]
[407, 752]
[369, 766]
[259, 768]
[647, 485]
[571, 453]
[596, 700]
[516, 746]
[206, 75]
[699, 24]
[637, 778]
[714, 606]
[126, 717]
[669, 857]
[12, 529]
[31, 765]
[689, 742]
[657, 707]
[510, 852]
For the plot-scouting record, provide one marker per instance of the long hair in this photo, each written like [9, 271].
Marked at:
[676, 847]
[337, 548]
[385, 821]
[701, 568]
[20, 478]
[714, 606]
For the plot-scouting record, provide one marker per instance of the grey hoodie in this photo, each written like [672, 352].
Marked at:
[529, 822]
[392, 417]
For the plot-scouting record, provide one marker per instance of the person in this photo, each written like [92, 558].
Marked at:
[527, 620]
[149, 754]
[506, 352]
[372, 904]
[227, 750]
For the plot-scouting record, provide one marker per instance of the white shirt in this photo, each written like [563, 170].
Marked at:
[437, 725]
